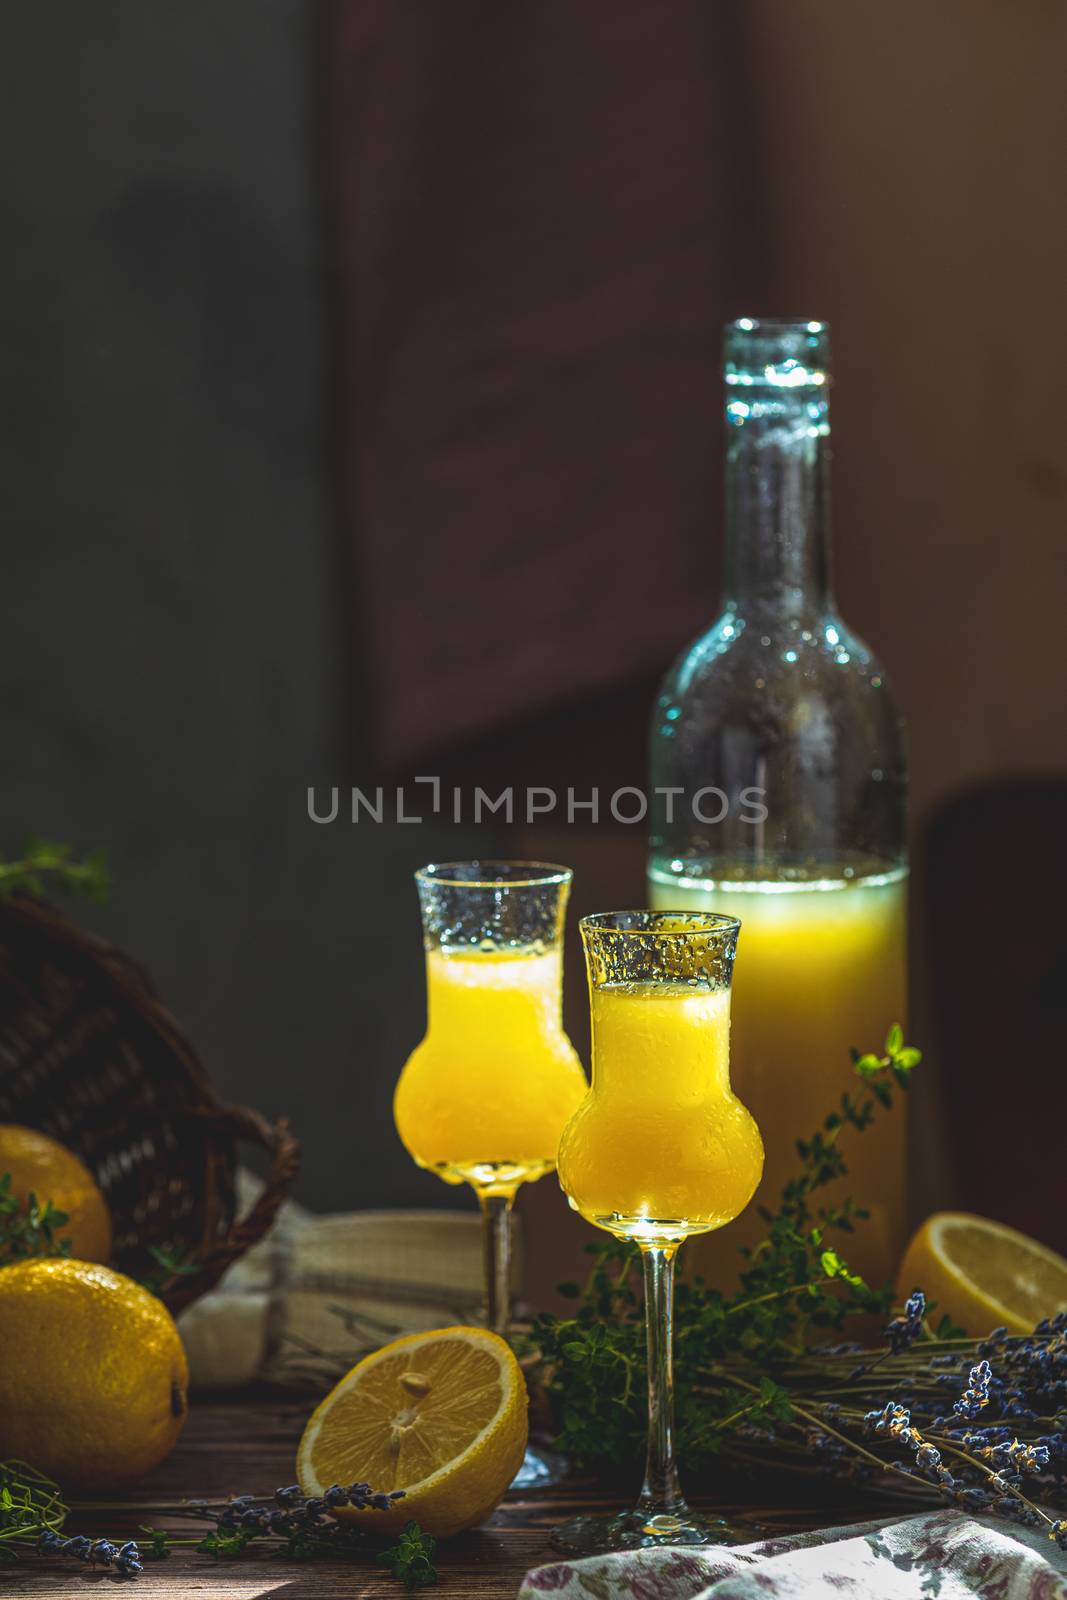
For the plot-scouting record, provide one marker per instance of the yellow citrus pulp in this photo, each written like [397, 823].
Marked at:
[661, 1147]
[484, 1098]
[41, 1166]
[441, 1415]
[93, 1376]
[985, 1275]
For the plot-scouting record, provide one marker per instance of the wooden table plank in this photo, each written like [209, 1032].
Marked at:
[248, 1448]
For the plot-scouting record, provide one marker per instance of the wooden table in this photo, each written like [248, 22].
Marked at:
[248, 1448]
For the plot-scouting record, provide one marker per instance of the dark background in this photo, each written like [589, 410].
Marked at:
[211, 509]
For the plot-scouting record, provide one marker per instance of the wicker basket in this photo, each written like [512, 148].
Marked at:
[89, 1055]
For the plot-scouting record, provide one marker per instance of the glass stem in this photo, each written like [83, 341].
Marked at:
[661, 1494]
[496, 1259]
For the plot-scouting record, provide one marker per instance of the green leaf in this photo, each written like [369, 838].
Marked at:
[28, 1230]
[41, 860]
[153, 1543]
[409, 1559]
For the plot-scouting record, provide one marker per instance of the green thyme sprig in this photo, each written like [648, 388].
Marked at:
[172, 1261]
[795, 1281]
[409, 1559]
[757, 1391]
[44, 864]
[30, 1505]
[795, 1286]
[29, 1229]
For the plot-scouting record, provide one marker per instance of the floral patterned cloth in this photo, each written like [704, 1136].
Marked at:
[940, 1555]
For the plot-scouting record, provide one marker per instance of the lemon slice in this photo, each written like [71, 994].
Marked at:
[441, 1415]
[984, 1274]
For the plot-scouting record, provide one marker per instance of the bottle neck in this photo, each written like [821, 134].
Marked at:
[777, 500]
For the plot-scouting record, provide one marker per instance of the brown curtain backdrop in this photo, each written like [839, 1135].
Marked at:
[543, 207]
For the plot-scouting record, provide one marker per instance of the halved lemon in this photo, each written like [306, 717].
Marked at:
[441, 1415]
[984, 1274]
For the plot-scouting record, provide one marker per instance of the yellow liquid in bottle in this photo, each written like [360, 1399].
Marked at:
[660, 1148]
[485, 1096]
[820, 969]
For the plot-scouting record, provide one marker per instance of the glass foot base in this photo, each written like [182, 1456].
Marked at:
[540, 1469]
[638, 1530]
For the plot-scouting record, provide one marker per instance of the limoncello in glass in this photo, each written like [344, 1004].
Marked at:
[483, 1099]
[779, 777]
[660, 1149]
[485, 1096]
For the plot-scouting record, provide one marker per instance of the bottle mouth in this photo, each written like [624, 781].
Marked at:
[776, 353]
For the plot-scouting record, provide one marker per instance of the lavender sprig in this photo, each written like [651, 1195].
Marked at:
[975, 1397]
[1008, 1426]
[302, 1521]
[903, 1331]
[296, 1525]
[1001, 1463]
[123, 1559]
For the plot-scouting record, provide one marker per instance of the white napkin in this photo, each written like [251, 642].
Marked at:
[275, 1314]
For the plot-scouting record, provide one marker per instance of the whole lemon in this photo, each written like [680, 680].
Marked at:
[93, 1376]
[41, 1166]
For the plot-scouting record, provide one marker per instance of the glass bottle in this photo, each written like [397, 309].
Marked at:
[779, 779]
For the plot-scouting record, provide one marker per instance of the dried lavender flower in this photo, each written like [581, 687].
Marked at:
[903, 1331]
[976, 1395]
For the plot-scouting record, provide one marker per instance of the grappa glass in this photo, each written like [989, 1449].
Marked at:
[660, 1149]
[485, 1096]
